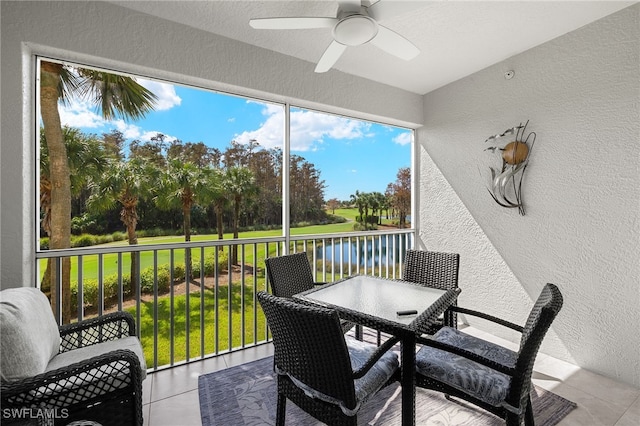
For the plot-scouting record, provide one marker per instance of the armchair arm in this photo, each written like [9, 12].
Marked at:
[429, 341]
[76, 386]
[488, 317]
[382, 349]
[96, 330]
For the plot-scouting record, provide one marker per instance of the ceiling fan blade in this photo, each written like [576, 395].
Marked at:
[349, 5]
[293, 23]
[394, 43]
[386, 9]
[330, 56]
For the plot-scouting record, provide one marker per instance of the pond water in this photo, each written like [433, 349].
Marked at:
[371, 250]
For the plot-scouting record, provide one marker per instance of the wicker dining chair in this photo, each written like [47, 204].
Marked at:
[486, 374]
[291, 274]
[88, 371]
[436, 270]
[325, 373]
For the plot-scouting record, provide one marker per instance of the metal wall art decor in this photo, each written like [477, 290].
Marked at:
[506, 183]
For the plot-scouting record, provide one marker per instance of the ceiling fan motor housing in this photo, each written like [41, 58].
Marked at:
[355, 30]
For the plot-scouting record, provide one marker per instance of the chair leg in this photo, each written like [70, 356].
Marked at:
[281, 409]
[513, 420]
[528, 416]
[358, 332]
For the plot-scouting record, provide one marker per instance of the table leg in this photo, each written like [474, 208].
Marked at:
[408, 380]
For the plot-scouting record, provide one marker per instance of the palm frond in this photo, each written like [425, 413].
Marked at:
[116, 95]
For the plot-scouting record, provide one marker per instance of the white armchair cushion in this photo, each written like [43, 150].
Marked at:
[65, 359]
[29, 335]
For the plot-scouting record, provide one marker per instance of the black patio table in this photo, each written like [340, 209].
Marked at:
[375, 302]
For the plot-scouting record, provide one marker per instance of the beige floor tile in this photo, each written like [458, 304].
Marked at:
[591, 410]
[248, 355]
[603, 387]
[146, 389]
[180, 410]
[631, 417]
[183, 378]
[601, 401]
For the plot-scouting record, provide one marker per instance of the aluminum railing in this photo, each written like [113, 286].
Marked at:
[217, 312]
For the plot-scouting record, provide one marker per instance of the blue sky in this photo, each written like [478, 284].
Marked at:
[350, 154]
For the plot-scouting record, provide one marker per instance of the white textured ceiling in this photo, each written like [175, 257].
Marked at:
[456, 38]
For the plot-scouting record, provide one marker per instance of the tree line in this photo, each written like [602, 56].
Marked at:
[97, 183]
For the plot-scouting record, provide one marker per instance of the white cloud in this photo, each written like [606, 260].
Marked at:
[131, 131]
[403, 138]
[166, 93]
[80, 114]
[308, 129]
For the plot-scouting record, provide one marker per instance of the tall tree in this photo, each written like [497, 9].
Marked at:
[401, 195]
[114, 95]
[182, 185]
[333, 204]
[214, 193]
[358, 200]
[377, 204]
[87, 159]
[123, 183]
[239, 184]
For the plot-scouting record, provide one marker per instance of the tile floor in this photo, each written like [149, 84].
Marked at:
[171, 396]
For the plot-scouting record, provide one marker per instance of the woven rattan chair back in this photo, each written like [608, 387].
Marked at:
[542, 314]
[516, 406]
[431, 268]
[309, 346]
[289, 274]
[436, 270]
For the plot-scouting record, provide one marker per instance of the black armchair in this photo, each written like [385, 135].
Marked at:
[484, 373]
[313, 357]
[291, 274]
[91, 370]
[436, 270]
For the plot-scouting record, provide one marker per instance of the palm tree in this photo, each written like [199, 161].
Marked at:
[358, 200]
[239, 184]
[87, 159]
[183, 185]
[114, 95]
[124, 183]
[216, 195]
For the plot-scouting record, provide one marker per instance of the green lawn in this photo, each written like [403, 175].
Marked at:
[215, 332]
[212, 328]
[110, 261]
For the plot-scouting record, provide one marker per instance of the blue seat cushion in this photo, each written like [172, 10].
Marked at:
[475, 379]
[367, 385]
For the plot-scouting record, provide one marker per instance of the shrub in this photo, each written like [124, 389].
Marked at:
[118, 236]
[146, 280]
[210, 268]
[84, 240]
[104, 239]
[90, 289]
[178, 271]
[44, 243]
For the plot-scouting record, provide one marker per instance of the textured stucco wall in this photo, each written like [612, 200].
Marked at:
[106, 35]
[581, 93]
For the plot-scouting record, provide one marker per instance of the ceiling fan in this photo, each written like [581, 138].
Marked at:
[354, 25]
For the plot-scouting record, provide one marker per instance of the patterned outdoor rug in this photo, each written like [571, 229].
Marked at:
[245, 395]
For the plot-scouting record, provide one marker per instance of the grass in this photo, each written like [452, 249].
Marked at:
[215, 333]
[110, 261]
[164, 333]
